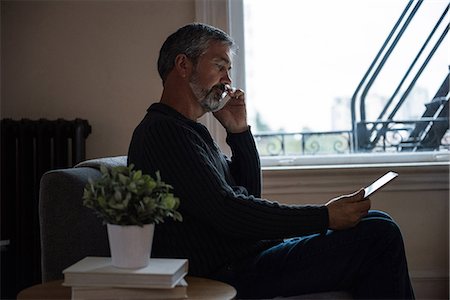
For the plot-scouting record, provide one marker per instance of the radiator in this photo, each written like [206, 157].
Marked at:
[29, 148]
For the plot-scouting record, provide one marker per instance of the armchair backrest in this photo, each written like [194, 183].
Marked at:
[70, 231]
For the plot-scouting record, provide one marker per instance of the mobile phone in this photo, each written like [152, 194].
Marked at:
[379, 183]
[225, 97]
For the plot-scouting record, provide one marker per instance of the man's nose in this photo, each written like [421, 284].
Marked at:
[226, 78]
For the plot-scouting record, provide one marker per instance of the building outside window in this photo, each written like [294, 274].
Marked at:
[304, 61]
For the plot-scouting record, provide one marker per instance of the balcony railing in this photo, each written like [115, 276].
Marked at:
[394, 139]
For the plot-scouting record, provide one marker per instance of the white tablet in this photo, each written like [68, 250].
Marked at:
[379, 183]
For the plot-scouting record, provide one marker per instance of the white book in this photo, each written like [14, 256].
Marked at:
[99, 271]
[116, 293]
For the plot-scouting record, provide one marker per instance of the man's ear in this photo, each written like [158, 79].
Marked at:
[183, 65]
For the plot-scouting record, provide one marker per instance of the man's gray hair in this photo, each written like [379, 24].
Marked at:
[191, 40]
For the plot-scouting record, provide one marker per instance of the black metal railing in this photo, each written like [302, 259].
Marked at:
[394, 139]
[304, 143]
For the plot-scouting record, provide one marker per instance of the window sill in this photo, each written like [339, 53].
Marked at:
[359, 160]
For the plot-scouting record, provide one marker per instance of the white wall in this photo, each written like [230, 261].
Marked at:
[94, 60]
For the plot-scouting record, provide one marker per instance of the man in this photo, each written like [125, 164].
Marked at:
[263, 248]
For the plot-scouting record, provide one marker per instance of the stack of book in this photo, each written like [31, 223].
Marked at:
[96, 278]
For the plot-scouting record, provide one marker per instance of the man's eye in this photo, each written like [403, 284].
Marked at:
[220, 67]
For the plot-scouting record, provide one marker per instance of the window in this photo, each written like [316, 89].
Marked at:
[304, 60]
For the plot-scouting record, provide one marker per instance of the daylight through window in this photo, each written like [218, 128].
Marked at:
[319, 81]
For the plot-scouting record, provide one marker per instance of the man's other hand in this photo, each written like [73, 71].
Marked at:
[346, 211]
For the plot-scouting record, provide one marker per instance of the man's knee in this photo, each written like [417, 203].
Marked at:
[382, 226]
[378, 214]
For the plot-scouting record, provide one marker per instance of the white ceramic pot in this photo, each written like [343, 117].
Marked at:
[130, 245]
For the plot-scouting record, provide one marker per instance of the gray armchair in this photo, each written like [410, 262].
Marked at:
[70, 231]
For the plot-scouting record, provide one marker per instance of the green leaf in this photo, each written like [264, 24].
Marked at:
[137, 175]
[118, 196]
[123, 179]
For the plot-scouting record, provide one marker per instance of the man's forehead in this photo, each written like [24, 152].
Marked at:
[219, 51]
[222, 59]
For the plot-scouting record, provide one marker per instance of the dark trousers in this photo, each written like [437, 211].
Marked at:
[368, 261]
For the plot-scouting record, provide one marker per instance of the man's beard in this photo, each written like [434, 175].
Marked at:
[210, 100]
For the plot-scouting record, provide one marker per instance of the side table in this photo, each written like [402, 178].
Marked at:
[198, 288]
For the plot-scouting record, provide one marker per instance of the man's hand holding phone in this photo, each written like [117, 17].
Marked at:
[233, 116]
[346, 211]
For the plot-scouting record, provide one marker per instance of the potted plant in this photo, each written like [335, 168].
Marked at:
[130, 204]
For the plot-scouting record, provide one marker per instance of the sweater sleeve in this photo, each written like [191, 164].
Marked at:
[245, 166]
[184, 162]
